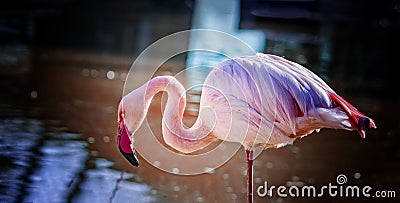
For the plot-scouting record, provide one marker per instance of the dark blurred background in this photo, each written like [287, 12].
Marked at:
[63, 65]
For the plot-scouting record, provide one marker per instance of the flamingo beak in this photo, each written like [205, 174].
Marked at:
[124, 145]
[131, 157]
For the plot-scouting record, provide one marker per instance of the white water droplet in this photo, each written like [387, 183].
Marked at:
[110, 75]
[34, 94]
[94, 73]
[200, 199]
[225, 176]
[91, 140]
[85, 72]
[106, 139]
[229, 189]
[177, 188]
[234, 196]
[175, 170]
[209, 170]
[270, 165]
[156, 163]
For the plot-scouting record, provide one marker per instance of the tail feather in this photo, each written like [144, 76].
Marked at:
[358, 120]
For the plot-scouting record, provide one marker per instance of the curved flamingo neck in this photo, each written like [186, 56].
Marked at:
[175, 134]
[176, 96]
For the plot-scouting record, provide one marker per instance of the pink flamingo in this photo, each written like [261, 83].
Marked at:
[258, 101]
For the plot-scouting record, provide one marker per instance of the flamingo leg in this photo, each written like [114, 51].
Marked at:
[249, 157]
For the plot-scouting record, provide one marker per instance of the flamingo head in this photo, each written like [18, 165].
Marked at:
[125, 145]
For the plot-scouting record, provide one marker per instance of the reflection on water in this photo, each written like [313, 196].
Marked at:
[18, 140]
[106, 185]
[39, 165]
[59, 164]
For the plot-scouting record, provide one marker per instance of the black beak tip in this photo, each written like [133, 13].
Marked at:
[131, 157]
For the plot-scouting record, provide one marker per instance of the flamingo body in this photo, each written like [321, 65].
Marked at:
[258, 101]
[277, 100]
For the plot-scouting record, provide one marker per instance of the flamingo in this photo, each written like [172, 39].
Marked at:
[260, 101]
